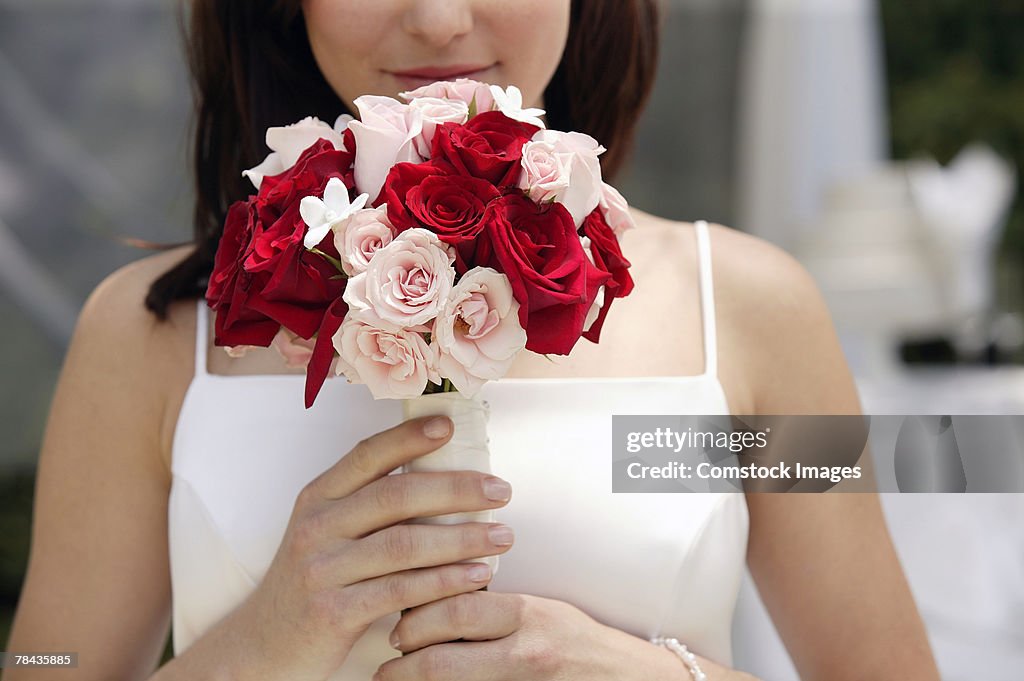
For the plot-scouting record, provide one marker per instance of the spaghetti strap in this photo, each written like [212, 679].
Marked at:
[202, 336]
[707, 298]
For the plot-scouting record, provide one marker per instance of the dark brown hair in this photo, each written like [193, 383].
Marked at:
[252, 68]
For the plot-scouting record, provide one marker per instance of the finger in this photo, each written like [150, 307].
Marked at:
[392, 499]
[379, 454]
[462, 661]
[471, 616]
[369, 600]
[405, 547]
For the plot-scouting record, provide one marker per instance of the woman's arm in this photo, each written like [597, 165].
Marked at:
[824, 564]
[97, 581]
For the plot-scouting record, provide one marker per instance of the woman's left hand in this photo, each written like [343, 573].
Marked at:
[513, 637]
[506, 636]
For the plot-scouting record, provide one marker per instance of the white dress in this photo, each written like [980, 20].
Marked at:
[648, 564]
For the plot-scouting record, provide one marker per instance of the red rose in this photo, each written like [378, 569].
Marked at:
[401, 178]
[451, 206]
[229, 285]
[604, 247]
[323, 350]
[555, 283]
[489, 146]
[314, 167]
[263, 276]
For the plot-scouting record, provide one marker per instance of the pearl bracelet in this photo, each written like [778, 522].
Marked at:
[684, 654]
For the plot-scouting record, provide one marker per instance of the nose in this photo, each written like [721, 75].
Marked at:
[438, 22]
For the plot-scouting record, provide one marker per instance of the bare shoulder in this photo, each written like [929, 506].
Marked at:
[115, 312]
[98, 567]
[151, 358]
[132, 281]
[762, 283]
[748, 270]
[772, 318]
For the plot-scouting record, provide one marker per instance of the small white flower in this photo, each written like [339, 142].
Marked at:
[510, 103]
[322, 215]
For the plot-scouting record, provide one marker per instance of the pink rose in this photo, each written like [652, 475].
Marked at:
[545, 173]
[616, 210]
[393, 363]
[238, 351]
[434, 112]
[461, 89]
[362, 235]
[294, 349]
[288, 142]
[539, 251]
[406, 282]
[384, 136]
[478, 333]
[563, 166]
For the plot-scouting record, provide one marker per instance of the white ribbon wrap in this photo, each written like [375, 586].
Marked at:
[466, 450]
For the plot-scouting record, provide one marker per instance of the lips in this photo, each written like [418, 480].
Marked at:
[425, 75]
[443, 72]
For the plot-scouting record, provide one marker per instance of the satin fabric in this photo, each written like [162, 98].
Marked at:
[648, 564]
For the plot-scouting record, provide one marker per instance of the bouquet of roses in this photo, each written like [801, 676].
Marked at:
[420, 248]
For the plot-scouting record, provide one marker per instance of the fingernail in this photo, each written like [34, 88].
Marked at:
[500, 535]
[480, 572]
[497, 489]
[437, 428]
[393, 639]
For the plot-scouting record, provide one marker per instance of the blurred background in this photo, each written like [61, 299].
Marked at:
[879, 141]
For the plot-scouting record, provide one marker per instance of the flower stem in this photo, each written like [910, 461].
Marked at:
[333, 261]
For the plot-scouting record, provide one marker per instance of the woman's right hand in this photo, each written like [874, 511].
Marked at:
[346, 559]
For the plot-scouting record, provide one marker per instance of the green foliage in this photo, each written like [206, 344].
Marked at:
[16, 492]
[956, 75]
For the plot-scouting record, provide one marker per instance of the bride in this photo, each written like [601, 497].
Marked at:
[166, 496]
